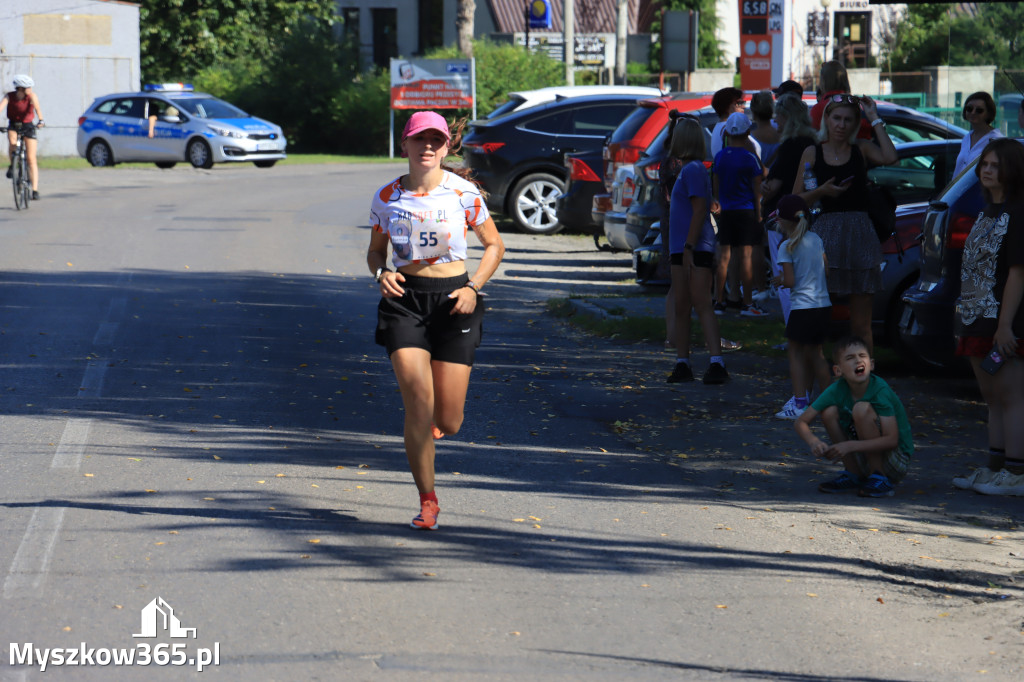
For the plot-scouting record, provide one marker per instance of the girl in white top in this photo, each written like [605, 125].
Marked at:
[802, 257]
[430, 315]
[979, 112]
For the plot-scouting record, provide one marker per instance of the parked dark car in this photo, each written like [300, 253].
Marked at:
[572, 208]
[519, 158]
[927, 325]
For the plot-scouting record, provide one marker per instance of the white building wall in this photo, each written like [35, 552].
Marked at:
[75, 50]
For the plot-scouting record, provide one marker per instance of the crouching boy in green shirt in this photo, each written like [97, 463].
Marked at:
[866, 423]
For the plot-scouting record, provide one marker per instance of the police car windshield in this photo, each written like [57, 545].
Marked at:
[209, 107]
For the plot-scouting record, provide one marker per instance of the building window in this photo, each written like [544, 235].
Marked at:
[431, 21]
[385, 36]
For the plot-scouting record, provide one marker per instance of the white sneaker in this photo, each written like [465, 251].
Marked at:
[765, 294]
[790, 410]
[1003, 483]
[979, 475]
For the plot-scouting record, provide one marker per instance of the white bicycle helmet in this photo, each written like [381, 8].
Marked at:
[23, 81]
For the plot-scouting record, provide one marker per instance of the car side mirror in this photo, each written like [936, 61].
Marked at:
[171, 119]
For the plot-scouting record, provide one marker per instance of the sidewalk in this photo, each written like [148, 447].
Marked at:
[726, 440]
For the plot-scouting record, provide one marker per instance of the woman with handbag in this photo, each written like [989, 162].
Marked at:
[839, 162]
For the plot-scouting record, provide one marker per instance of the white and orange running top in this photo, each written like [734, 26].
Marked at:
[428, 228]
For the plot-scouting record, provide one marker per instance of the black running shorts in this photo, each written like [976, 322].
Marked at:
[739, 228]
[423, 318]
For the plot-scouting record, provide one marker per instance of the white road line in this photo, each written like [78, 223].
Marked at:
[32, 559]
[92, 381]
[105, 334]
[117, 308]
[72, 444]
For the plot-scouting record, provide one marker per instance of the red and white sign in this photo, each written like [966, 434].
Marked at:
[755, 45]
[431, 84]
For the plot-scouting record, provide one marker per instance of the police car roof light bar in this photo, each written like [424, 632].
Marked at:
[167, 87]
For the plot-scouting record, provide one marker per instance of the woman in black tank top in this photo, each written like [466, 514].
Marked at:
[840, 162]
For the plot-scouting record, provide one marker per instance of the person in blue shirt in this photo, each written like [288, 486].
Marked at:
[692, 253]
[737, 185]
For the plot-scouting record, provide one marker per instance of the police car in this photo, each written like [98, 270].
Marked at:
[168, 123]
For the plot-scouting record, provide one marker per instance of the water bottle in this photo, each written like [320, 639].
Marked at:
[811, 183]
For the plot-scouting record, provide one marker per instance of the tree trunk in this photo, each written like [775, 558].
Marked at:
[464, 24]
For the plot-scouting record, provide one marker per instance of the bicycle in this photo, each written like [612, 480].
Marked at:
[19, 169]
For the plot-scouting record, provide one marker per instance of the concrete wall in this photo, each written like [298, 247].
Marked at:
[951, 84]
[709, 80]
[75, 52]
[865, 81]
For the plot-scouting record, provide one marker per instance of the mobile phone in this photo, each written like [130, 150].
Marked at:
[993, 362]
[847, 181]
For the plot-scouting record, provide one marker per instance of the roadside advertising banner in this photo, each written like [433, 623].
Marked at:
[431, 83]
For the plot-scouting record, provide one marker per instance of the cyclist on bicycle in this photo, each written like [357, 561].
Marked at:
[22, 109]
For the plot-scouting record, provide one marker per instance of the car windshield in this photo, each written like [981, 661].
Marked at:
[209, 107]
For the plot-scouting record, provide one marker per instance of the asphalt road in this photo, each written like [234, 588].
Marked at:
[193, 410]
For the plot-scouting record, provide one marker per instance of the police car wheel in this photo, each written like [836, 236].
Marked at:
[99, 154]
[199, 154]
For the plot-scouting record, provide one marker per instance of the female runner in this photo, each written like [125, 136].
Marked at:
[430, 315]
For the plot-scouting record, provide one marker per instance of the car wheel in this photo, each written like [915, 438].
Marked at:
[99, 154]
[264, 164]
[892, 326]
[166, 164]
[532, 203]
[199, 154]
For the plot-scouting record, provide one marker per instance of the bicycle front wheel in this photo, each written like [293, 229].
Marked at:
[22, 184]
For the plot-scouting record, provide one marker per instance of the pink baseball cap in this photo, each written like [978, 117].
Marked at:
[426, 120]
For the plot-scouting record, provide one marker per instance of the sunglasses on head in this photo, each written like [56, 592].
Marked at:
[844, 99]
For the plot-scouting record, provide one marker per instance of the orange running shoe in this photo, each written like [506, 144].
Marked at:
[427, 518]
[436, 432]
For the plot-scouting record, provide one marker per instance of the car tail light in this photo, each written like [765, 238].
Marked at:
[81, 120]
[653, 171]
[486, 147]
[959, 227]
[602, 203]
[628, 189]
[623, 156]
[578, 170]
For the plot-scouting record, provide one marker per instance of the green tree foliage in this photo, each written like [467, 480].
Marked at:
[957, 35]
[295, 86]
[710, 54]
[504, 68]
[182, 37]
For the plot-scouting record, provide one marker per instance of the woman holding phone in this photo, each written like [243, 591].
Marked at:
[991, 316]
[840, 162]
